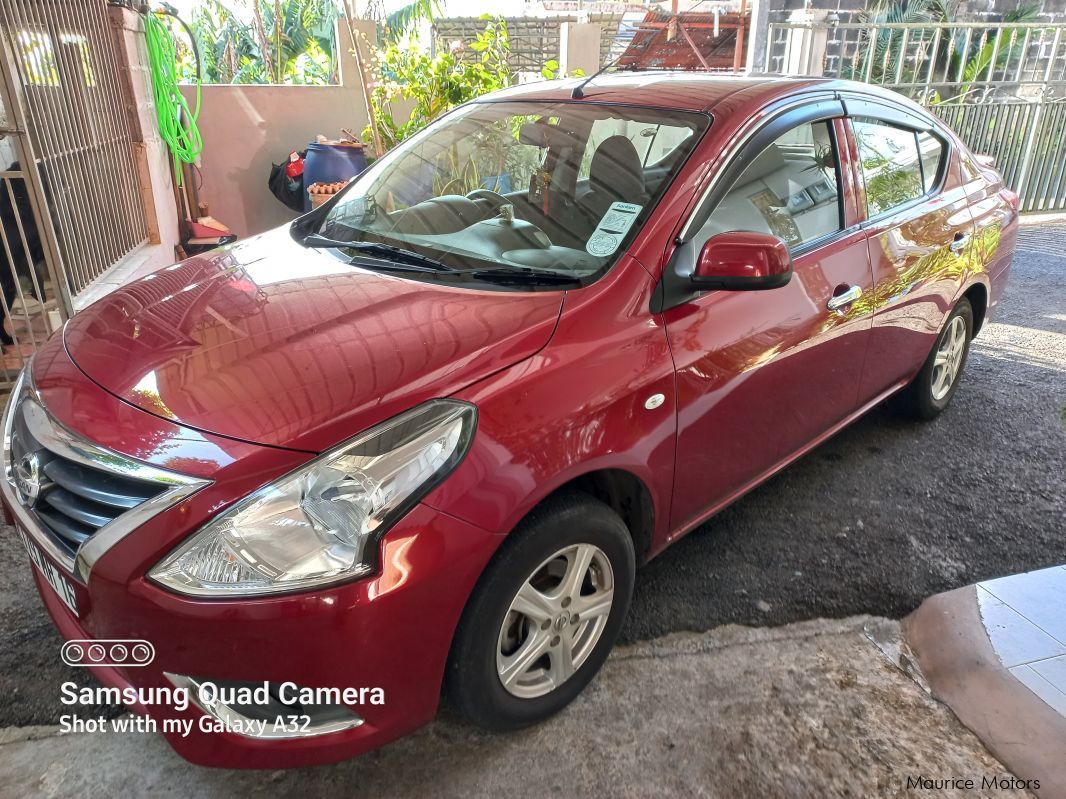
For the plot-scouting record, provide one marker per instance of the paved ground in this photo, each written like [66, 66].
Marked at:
[808, 710]
[883, 515]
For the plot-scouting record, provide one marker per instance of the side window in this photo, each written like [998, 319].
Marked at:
[790, 190]
[931, 151]
[891, 167]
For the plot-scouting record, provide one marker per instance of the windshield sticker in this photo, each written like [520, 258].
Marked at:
[612, 229]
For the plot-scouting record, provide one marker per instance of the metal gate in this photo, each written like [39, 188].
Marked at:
[1000, 86]
[29, 291]
[75, 206]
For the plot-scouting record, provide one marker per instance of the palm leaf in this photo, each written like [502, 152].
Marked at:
[401, 21]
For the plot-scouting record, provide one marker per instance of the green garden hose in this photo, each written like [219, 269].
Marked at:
[177, 125]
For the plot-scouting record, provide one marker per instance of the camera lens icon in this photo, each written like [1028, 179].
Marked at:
[124, 652]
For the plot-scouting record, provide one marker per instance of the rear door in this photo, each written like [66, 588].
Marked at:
[918, 229]
[762, 374]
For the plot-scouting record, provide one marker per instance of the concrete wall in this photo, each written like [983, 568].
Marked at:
[247, 128]
[579, 47]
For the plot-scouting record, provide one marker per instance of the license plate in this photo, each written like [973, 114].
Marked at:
[60, 584]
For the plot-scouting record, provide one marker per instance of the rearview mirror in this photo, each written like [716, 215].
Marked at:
[742, 261]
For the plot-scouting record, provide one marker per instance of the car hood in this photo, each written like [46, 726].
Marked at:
[268, 342]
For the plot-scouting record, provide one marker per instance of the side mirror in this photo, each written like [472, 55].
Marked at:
[742, 261]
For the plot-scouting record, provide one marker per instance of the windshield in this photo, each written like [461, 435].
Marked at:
[553, 190]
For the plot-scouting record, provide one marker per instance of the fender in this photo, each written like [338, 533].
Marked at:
[522, 453]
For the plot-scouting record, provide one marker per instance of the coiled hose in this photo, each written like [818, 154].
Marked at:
[177, 125]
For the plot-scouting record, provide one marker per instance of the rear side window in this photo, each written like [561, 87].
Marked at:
[891, 167]
[931, 151]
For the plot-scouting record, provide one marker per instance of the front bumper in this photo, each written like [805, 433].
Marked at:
[392, 631]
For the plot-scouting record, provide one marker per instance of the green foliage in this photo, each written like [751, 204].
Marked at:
[401, 22]
[551, 71]
[262, 41]
[883, 46]
[966, 61]
[1000, 44]
[435, 84]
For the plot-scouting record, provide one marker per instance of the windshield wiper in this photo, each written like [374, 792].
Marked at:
[384, 251]
[522, 274]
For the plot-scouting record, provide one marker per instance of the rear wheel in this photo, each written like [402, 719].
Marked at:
[544, 615]
[931, 391]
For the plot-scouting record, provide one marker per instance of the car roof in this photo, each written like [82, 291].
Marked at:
[681, 90]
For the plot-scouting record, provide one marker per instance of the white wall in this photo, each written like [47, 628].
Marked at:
[247, 128]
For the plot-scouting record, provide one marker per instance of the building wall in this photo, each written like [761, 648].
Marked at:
[151, 159]
[247, 128]
[162, 217]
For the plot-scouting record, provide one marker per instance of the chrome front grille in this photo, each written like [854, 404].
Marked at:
[72, 500]
[74, 497]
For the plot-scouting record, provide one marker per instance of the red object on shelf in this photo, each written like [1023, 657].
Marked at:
[295, 167]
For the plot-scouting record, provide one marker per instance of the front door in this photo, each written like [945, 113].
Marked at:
[761, 374]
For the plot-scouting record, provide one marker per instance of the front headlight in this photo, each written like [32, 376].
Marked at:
[321, 523]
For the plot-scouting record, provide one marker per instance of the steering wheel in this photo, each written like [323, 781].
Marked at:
[494, 198]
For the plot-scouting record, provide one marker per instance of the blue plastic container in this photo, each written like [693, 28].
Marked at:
[329, 163]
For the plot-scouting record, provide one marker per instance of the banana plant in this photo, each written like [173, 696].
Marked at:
[263, 41]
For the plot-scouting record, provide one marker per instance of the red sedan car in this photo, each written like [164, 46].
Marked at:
[419, 440]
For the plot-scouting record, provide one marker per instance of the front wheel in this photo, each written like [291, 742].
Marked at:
[931, 391]
[544, 615]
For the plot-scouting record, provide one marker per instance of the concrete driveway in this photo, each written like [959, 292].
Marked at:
[811, 709]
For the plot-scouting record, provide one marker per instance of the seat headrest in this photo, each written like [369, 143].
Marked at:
[616, 169]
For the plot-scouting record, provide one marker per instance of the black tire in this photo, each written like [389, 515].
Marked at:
[472, 681]
[918, 400]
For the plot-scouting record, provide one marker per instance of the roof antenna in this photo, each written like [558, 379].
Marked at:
[578, 92]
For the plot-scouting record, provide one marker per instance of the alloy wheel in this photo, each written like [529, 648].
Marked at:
[555, 621]
[948, 359]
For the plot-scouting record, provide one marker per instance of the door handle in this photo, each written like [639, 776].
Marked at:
[958, 244]
[838, 301]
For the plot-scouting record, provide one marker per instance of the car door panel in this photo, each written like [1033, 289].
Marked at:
[761, 374]
[916, 279]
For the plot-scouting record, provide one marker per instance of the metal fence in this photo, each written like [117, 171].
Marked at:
[1000, 86]
[61, 63]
